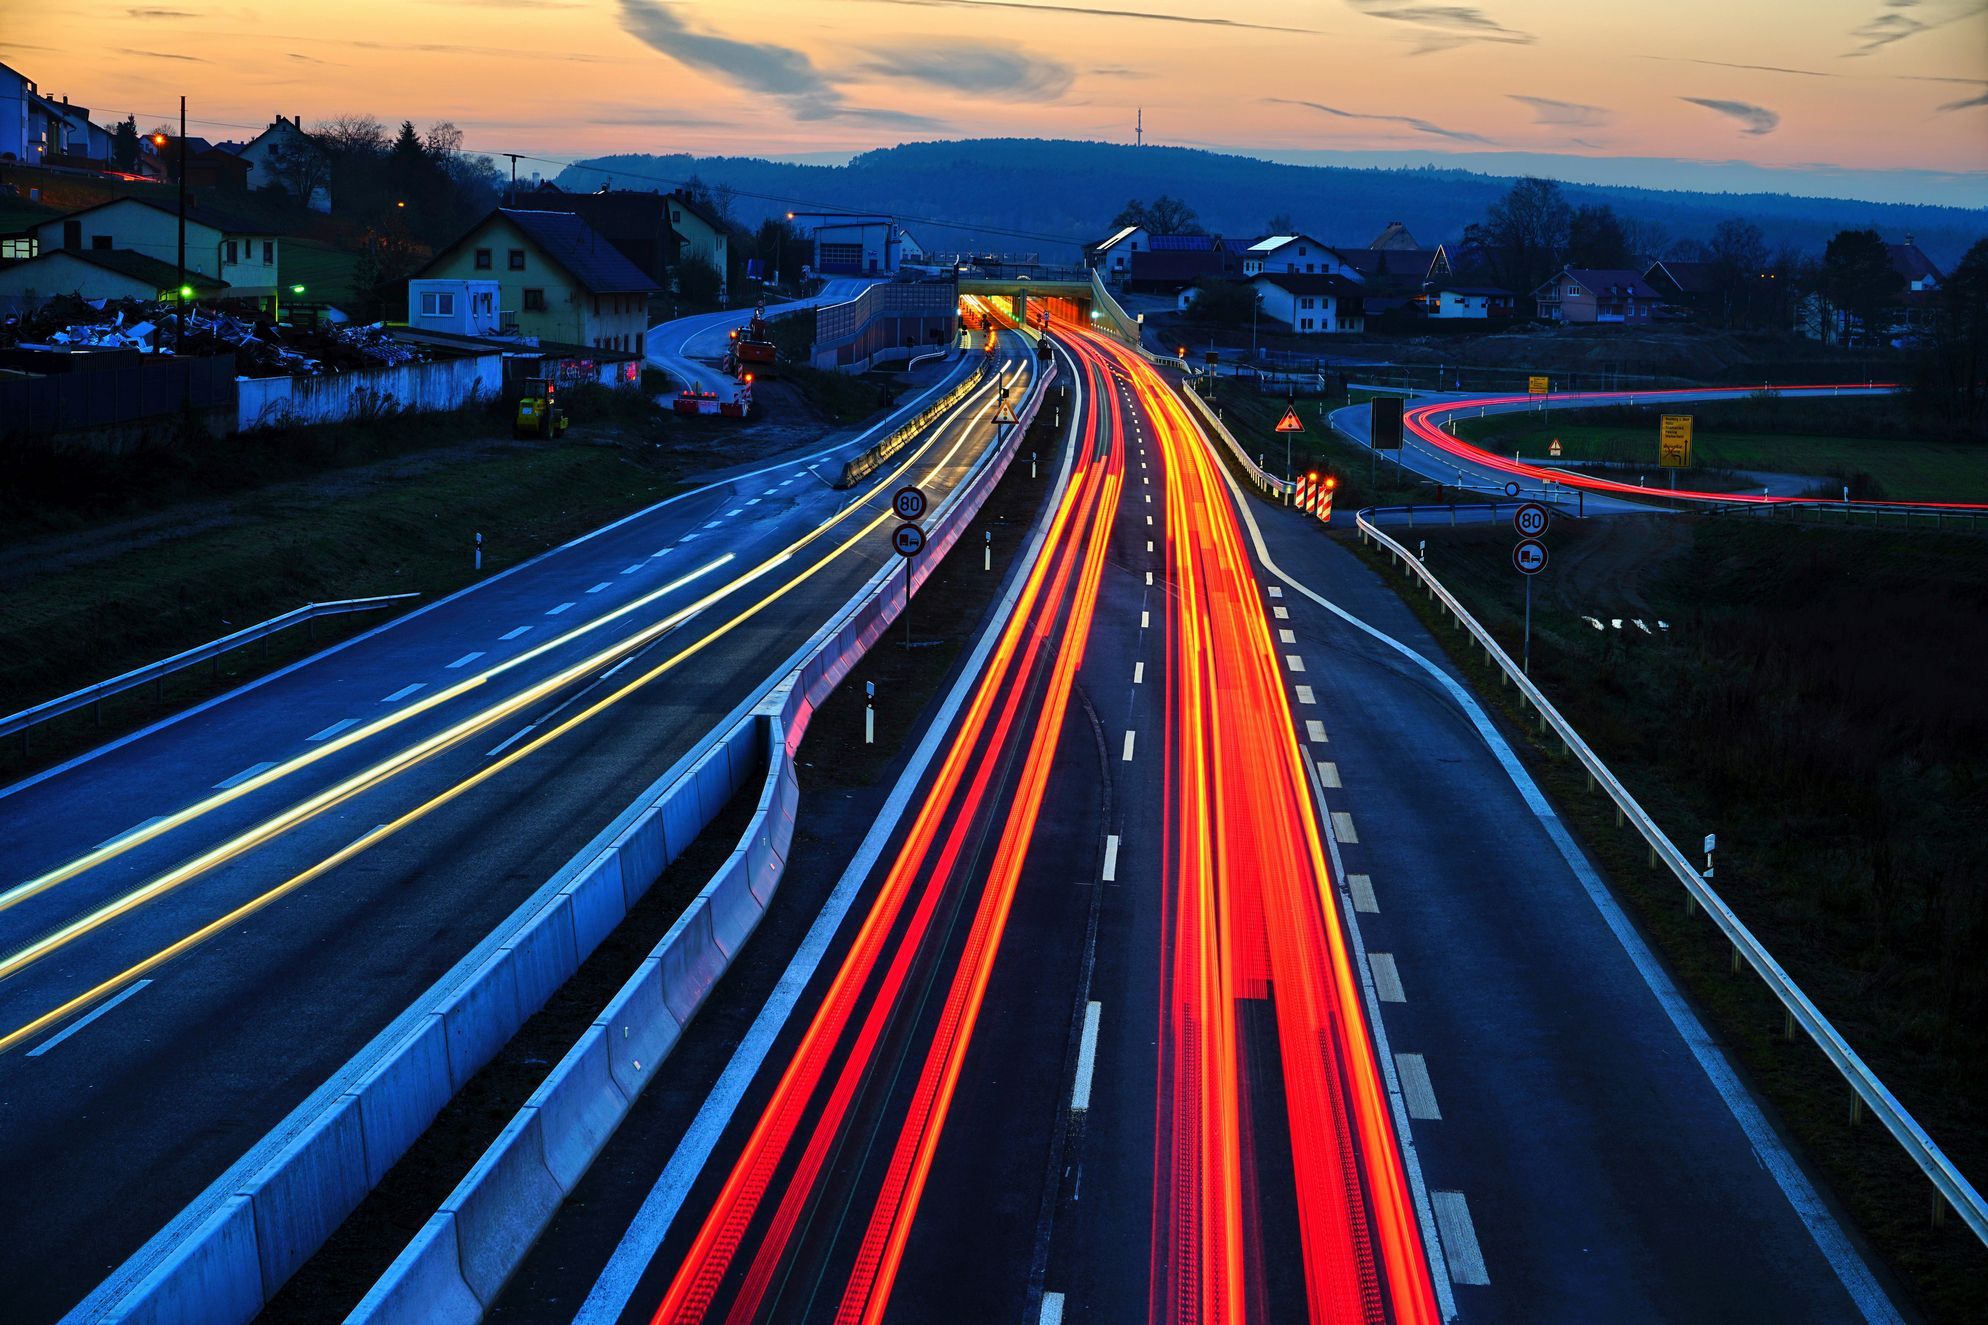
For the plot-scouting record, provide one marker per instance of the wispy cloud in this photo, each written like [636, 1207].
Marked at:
[1754, 120]
[160, 13]
[160, 55]
[1439, 27]
[1978, 99]
[1755, 68]
[974, 67]
[1419, 125]
[776, 71]
[1893, 24]
[1092, 11]
[1573, 114]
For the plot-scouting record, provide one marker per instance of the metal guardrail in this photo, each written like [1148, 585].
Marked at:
[1266, 482]
[212, 650]
[1949, 1184]
[873, 457]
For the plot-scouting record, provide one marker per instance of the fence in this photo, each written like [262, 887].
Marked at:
[266, 402]
[1950, 1187]
[156, 388]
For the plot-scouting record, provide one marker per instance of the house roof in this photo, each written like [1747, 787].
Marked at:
[1183, 243]
[698, 210]
[213, 215]
[1312, 283]
[1910, 263]
[1395, 236]
[1117, 238]
[1688, 277]
[1402, 263]
[1604, 280]
[573, 245]
[1178, 264]
[1496, 291]
[159, 275]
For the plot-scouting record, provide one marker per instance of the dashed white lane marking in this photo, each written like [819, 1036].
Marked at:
[513, 634]
[1342, 828]
[1110, 874]
[1138, 673]
[1052, 1310]
[555, 611]
[753, 502]
[736, 510]
[597, 588]
[1387, 980]
[245, 775]
[1087, 1062]
[1145, 620]
[1149, 519]
[1315, 731]
[686, 538]
[1128, 747]
[1276, 591]
[1305, 695]
[335, 728]
[660, 552]
[403, 693]
[73, 1027]
[1144, 481]
[1416, 1091]
[1362, 888]
[1149, 577]
[1459, 1238]
[637, 566]
[715, 523]
[130, 832]
[1328, 773]
[1281, 613]
[510, 740]
[465, 660]
[1149, 545]
[1294, 662]
[1287, 637]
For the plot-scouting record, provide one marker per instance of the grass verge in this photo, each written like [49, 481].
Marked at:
[1850, 808]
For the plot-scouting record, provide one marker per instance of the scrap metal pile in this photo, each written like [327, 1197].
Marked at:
[261, 348]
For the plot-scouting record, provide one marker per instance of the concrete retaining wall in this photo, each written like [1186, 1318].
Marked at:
[268, 402]
[568, 1120]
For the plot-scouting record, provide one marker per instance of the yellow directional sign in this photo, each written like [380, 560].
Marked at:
[1674, 445]
[1538, 386]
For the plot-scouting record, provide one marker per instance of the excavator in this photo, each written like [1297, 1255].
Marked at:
[752, 350]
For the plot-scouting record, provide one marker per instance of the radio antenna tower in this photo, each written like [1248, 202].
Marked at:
[1139, 128]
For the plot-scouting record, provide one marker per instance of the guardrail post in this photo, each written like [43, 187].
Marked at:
[1787, 1026]
[1856, 1108]
[1939, 1209]
[1736, 958]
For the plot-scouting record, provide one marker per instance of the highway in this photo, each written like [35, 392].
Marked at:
[203, 922]
[690, 348]
[1223, 964]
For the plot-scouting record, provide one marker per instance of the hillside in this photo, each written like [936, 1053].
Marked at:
[1051, 196]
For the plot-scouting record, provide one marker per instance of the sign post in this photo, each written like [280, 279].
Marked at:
[1529, 556]
[907, 540]
[1289, 425]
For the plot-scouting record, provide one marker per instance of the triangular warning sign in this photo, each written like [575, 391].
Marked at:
[1006, 414]
[1290, 422]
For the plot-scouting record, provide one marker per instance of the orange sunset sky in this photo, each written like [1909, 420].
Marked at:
[1865, 84]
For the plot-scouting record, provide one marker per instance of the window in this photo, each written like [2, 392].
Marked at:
[676, 217]
[230, 251]
[516, 259]
[638, 342]
[14, 249]
[100, 242]
[437, 303]
[534, 301]
[268, 252]
[483, 259]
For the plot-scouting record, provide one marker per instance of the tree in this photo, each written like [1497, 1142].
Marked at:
[1646, 239]
[1596, 238]
[300, 165]
[1525, 233]
[124, 144]
[1282, 224]
[1165, 216]
[1738, 254]
[697, 280]
[1225, 302]
[1857, 277]
[1951, 381]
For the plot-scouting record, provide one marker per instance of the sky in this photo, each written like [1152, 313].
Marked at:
[1857, 85]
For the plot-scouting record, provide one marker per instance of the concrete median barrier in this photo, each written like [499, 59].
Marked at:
[213, 1276]
[638, 1028]
[431, 1290]
[579, 1105]
[542, 954]
[480, 1016]
[307, 1190]
[402, 1095]
[501, 1206]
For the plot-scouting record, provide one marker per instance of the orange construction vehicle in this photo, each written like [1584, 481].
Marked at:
[752, 350]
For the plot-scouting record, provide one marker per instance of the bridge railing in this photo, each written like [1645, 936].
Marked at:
[1951, 1188]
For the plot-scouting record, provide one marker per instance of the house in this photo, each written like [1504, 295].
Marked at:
[93, 273]
[1692, 285]
[1596, 294]
[1112, 256]
[265, 152]
[636, 223]
[68, 135]
[237, 252]
[558, 279]
[1296, 254]
[17, 95]
[1175, 262]
[217, 169]
[458, 307]
[853, 245]
[18, 219]
[1397, 266]
[1452, 302]
[1394, 236]
[1913, 267]
[1311, 303]
[701, 233]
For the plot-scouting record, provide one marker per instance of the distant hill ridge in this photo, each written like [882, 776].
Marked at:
[1053, 195]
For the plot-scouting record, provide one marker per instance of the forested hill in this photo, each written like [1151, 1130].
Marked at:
[1042, 192]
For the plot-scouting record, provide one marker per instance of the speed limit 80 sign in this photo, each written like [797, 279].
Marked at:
[909, 503]
[1530, 520]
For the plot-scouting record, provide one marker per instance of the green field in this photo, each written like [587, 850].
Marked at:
[1904, 469]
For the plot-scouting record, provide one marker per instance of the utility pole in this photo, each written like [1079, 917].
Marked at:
[513, 199]
[179, 289]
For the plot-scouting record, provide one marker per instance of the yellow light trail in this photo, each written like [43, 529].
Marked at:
[83, 925]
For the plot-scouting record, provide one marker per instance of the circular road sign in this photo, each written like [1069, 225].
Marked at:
[1529, 555]
[908, 540]
[909, 503]
[1512, 489]
[1530, 520]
